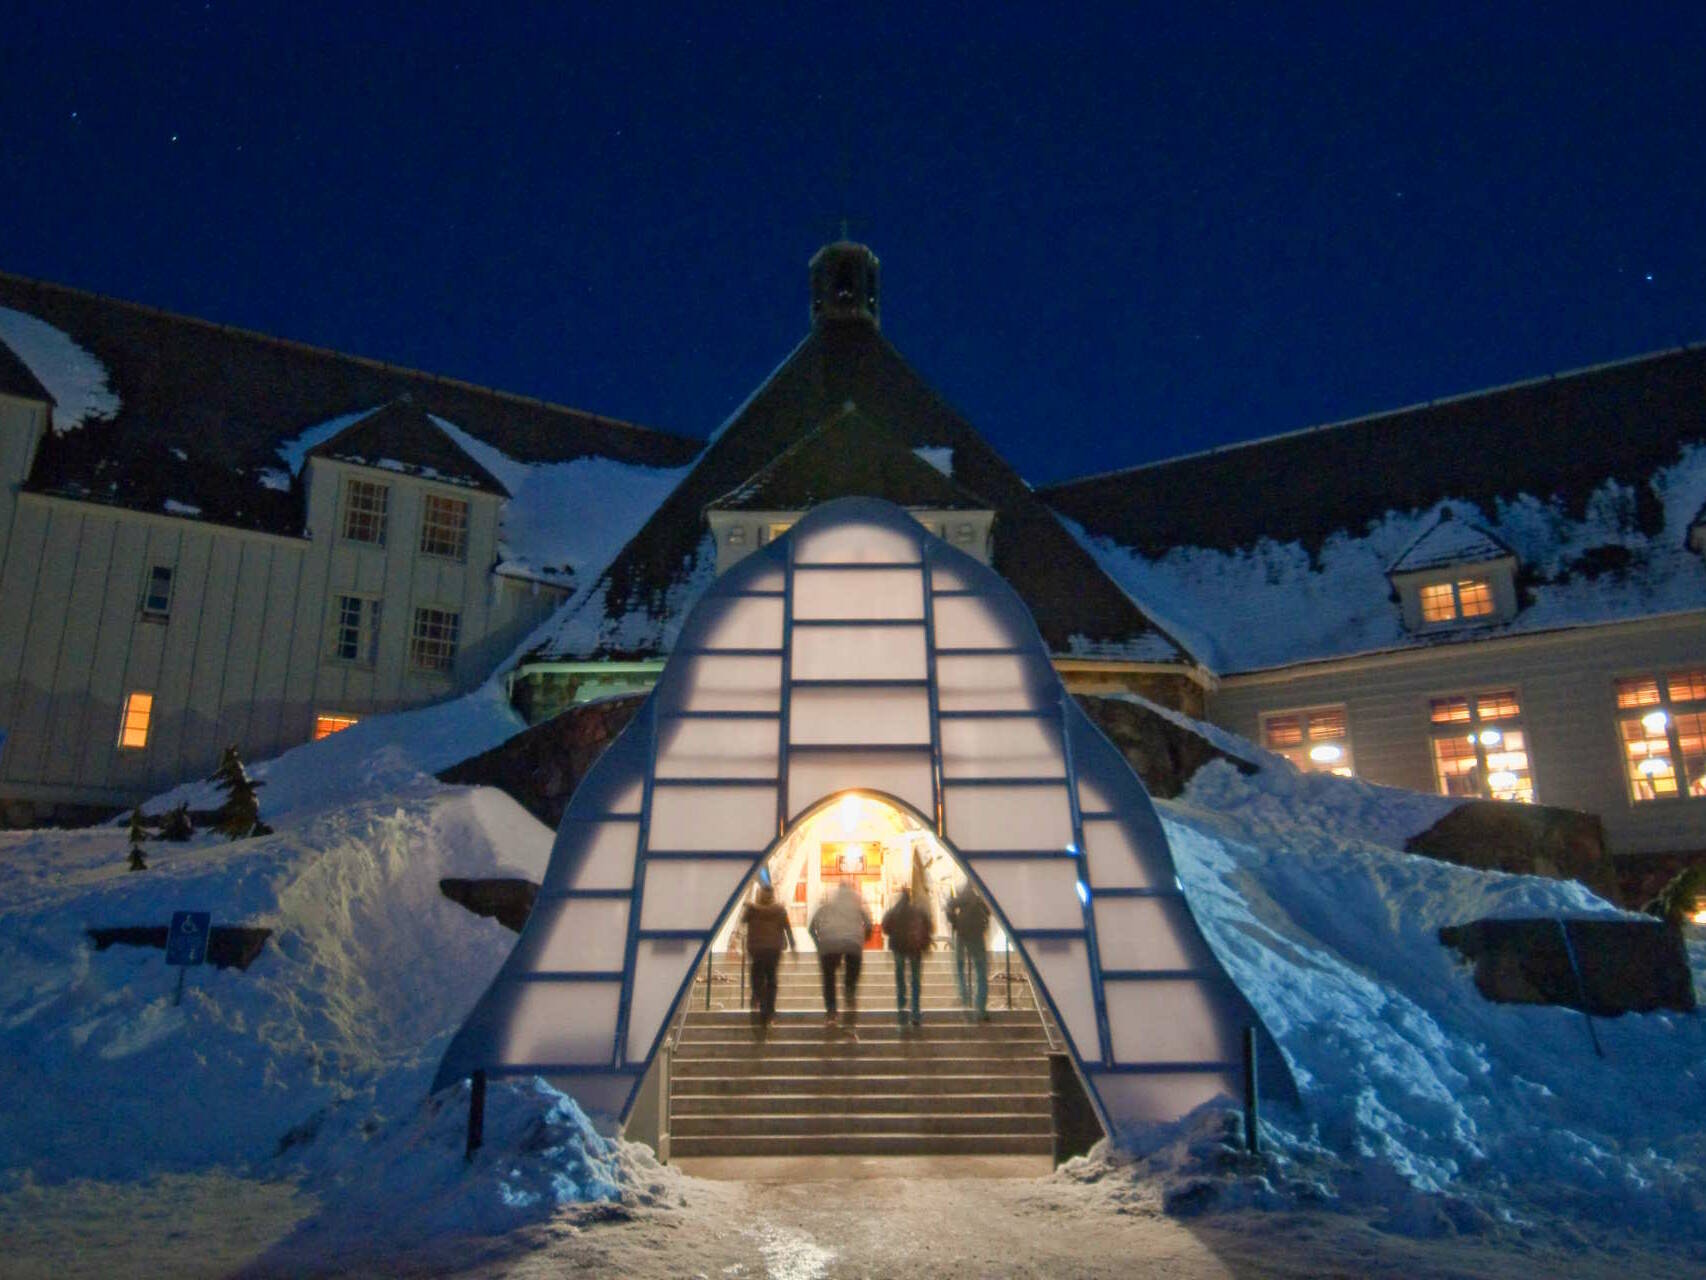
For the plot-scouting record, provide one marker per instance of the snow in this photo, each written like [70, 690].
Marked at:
[583, 627]
[76, 380]
[1421, 1101]
[566, 521]
[1273, 604]
[1450, 541]
[273, 478]
[1151, 646]
[176, 508]
[295, 450]
[939, 456]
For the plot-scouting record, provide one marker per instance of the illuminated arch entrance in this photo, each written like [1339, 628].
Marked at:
[860, 653]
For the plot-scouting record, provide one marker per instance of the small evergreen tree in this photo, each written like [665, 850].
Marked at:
[137, 835]
[176, 825]
[1675, 904]
[240, 816]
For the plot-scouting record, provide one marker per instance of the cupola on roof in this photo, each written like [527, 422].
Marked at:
[844, 284]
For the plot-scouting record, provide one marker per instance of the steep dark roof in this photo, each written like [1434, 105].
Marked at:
[204, 407]
[849, 456]
[1557, 438]
[16, 378]
[1450, 540]
[1075, 604]
[402, 437]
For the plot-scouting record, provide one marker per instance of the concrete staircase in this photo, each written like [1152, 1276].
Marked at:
[950, 1087]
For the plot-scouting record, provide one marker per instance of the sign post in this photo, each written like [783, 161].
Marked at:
[186, 943]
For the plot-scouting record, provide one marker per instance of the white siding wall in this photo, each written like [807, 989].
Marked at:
[245, 654]
[1564, 680]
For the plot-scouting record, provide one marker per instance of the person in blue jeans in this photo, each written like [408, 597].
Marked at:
[908, 930]
[968, 917]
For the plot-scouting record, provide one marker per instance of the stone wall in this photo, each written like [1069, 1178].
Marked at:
[1163, 753]
[1529, 839]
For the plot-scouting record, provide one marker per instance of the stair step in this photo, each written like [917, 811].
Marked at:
[866, 1144]
[868, 1013]
[813, 1124]
[871, 1044]
[858, 1102]
[737, 1069]
[846, 1084]
[870, 1029]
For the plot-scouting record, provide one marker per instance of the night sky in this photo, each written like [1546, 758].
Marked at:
[1105, 239]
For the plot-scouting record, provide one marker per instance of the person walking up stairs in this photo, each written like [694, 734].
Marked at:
[908, 930]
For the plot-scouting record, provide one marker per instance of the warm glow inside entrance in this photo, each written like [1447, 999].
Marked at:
[871, 845]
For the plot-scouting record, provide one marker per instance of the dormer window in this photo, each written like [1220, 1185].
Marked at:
[1457, 600]
[1455, 574]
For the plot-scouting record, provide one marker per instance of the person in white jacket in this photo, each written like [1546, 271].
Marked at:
[839, 927]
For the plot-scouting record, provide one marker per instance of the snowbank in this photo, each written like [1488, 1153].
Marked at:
[1412, 1083]
[75, 379]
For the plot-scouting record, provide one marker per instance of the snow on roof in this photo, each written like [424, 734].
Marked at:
[565, 521]
[939, 456]
[1275, 604]
[1450, 541]
[76, 380]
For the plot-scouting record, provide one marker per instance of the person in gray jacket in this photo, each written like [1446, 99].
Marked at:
[839, 927]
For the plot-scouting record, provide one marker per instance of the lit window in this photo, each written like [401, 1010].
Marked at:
[737, 535]
[444, 527]
[1462, 598]
[356, 634]
[365, 505]
[1480, 749]
[432, 643]
[329, 722]
[157, 599]
[1662, 726]
[1316, 740]
[774, 530]
[133, 725]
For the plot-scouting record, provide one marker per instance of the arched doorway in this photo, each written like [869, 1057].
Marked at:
[859, 652]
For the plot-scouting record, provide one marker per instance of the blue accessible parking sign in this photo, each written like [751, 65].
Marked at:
[186, 940]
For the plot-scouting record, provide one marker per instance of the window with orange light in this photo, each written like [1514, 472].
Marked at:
[1479, 747]
[1661, 727]
[1315, 739]
[1461, 598]
[133, 724]
[327, 723]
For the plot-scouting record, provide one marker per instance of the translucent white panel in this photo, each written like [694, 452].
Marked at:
[875, 593]
[682, 894]
[581, 935]
[691, 819]
[1115, 861]
[1008, 818]
[855, 543]
[813, 775]
[946, 576]
[769, 577]
[592, 855]
[1160, 1099]
[993, 682]
[560, 1022]
[1002, 749]
[1144, 933]
[601, 1096]
[870, 716]
[1092, 797]
[738, 623]
[859, 653]
[1168, 1021]
[717, 748]
[965, 622]
[1034, 893]
[616, 784]
[660, 967]
[1065, 974]
[725, 684]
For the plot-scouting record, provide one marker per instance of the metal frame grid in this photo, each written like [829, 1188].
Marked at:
[474, 1047]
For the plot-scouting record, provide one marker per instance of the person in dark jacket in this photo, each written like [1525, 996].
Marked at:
[908, 930]
[968, 917]
[839, 928]
[767, 932]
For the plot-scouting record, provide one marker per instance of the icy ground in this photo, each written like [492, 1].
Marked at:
[1440, 1134]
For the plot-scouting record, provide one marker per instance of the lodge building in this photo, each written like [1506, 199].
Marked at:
[214, 536]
